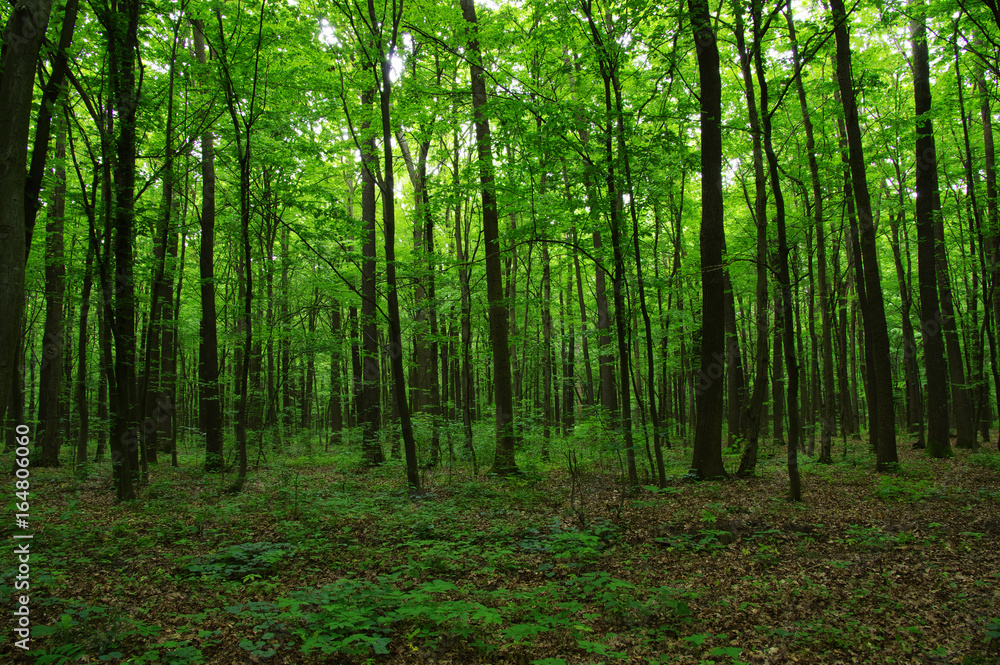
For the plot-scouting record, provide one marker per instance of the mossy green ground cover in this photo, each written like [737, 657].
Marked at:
[319, 561]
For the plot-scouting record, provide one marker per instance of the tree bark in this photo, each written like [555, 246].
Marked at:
[389, 228]
[874, 313]
[753, 417]
[928, 260]
[369, 408]
[707, 458]
[209, 406]
[503, 463]
[22, 41]
[53, 340]
[827, 396]
[122, 28]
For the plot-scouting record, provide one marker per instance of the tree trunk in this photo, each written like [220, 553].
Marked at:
[22, 41]
[504, 463]
[827, 396]
[883, 413]
[754, 416]
[992, 214]
[914, 392]
[389, 227]
[53, 340]
[210, 406]
[784, 278]
[83, 409]
[929, 262]
[707, 459]
[336, 387]
[369, 409]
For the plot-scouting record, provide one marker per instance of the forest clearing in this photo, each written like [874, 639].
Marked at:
[323, 561]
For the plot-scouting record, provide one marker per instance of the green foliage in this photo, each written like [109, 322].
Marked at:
[238, 561]
[985, 459]
[86, 629]
[704, 539]
[908, 490]
[66, 653]
[873, 538]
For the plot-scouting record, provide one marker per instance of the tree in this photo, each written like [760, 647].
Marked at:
[384, 54]
[54, 340]
[210, 408]
[883, 430]
[23, 37]
[927, 207]
[503, 462]
[707, 459]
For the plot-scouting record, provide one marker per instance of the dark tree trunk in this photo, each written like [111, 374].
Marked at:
[504, 463]
[992, 220]
[827, 396]
[735, 377]
[53, 340]
[22, 41]
[588, 388]
[928, 260]
[914, 392]
[568, 358]
[707, 459]
[123, 46]
[464, 389]
[754, 416]
[336, 412]
[883, 412]
[389, 226]
[784, 279]
[976, 340]
[209, 407]
[369, 408]
[547, 364]
[83, 409]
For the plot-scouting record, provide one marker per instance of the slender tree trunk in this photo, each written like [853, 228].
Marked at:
[547, 364]
[976, 339]
[82, 407]
[53, 340]
[588, 388]
[369, 409]
[707, 460]
[992, 216]
[784, 279]
[929, 262]
[336, 387]
[568, 357]
[754, 416]
[827, 398]
[504, 463]
[210, 406]
[122, 30]
[874, 313]
[389, 227]
[735, 378]
[914, 393]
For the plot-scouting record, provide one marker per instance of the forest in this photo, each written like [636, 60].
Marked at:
[514, 331]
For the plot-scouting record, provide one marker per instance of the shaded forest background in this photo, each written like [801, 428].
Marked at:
[248, 226]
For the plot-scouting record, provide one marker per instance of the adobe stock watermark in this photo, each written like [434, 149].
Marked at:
[707, 376]
[27, 26]
[22, 548]
[130, 440]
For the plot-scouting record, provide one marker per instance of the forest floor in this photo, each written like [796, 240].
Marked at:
[318, 561]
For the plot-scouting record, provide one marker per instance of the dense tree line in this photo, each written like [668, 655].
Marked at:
[377, 223]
